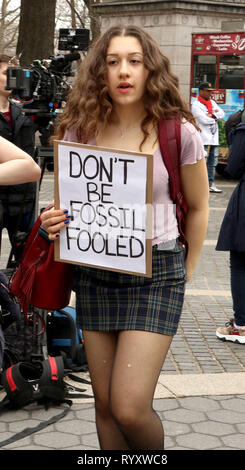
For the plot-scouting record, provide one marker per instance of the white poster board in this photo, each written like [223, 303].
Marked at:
[108, 193]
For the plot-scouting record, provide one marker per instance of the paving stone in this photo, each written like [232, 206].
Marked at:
[199, 403]
[40, 413]
[15, 445]
[173, 429]
[164, 405]
[234, 404]
[197, 441]
[88, 414]
[4, 427]
[227, 448]
[10, 416]
[241, 428]
[82, 406]
[49, 428]
[168, 442]
[222, 397]
[226, 416]
[32, 447]
[56, 440]
[213, 428]
[91, 440]
[235, 440]
[184, 416]
[178, 448]
[5, 434]
[81, 447]
[21, 425]
[76, 426]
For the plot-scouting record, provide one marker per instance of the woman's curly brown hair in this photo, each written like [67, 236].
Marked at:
[89, 106]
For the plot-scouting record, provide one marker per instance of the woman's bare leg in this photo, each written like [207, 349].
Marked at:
[137, 365]
[100, 351]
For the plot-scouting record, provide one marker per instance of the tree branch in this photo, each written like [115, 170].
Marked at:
[76, 12]
[10, 41]
[8, 23]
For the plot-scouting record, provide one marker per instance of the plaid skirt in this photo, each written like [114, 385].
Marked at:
[113, 301]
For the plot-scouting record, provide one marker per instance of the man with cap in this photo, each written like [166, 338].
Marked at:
[207, 112]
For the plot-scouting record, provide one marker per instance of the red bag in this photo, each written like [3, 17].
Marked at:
[39, 280]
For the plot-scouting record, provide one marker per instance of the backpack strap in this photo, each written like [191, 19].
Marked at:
[19, 391]
[169, 133]
[170, 146]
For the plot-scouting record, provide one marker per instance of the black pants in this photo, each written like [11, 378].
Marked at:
[237, 265]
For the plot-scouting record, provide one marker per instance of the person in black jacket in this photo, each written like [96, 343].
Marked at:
[16, 167]
[232, 238]
[18, 201]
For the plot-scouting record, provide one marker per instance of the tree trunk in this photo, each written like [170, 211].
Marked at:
[94, 20]
[36, 30]
[73, 15]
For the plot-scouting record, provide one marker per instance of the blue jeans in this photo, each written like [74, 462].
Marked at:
[211, 161]
[237, 265]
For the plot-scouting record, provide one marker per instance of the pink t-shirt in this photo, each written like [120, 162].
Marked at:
[165, 226]
[165, 222]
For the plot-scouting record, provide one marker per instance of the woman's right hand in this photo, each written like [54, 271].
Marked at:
[53, 220]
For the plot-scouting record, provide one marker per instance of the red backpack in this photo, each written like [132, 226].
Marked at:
[170, 146]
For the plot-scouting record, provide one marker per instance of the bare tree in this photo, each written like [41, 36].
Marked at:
[36, 31]
[9, 23]
[95, 21]
[78, 14]
[72, 14]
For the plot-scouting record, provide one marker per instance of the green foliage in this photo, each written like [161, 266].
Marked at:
[222, 135]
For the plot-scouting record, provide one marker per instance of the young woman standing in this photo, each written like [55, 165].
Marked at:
[123, 89]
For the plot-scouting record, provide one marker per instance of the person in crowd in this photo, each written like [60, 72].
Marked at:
[123, 88]
[232, 238]
[207, 113]
[18, 201]
[16, 166]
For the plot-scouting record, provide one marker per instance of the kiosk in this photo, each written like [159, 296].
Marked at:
[219, 58]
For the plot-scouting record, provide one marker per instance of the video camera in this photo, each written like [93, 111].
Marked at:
[42, 87]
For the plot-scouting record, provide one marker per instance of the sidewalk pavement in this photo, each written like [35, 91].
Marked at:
[200, 396]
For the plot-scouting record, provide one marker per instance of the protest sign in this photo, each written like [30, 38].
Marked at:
[108, 193]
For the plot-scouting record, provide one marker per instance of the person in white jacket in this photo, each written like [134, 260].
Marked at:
[207, 112]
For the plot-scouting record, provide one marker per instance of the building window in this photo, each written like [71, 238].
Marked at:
[232, 72]
[205, 70]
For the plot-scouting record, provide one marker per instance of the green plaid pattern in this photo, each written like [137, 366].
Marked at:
[112, 301]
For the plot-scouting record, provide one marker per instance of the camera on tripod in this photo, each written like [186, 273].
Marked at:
[42, 87]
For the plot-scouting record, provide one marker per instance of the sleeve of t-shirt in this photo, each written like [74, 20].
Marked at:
[192, 149]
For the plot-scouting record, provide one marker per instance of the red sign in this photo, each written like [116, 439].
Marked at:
[219, 96]
[219, 43]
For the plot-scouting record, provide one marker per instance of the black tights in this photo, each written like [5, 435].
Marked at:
[124, 369]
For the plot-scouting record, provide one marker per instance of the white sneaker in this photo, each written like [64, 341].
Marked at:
[230, 333]
[213, 189]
